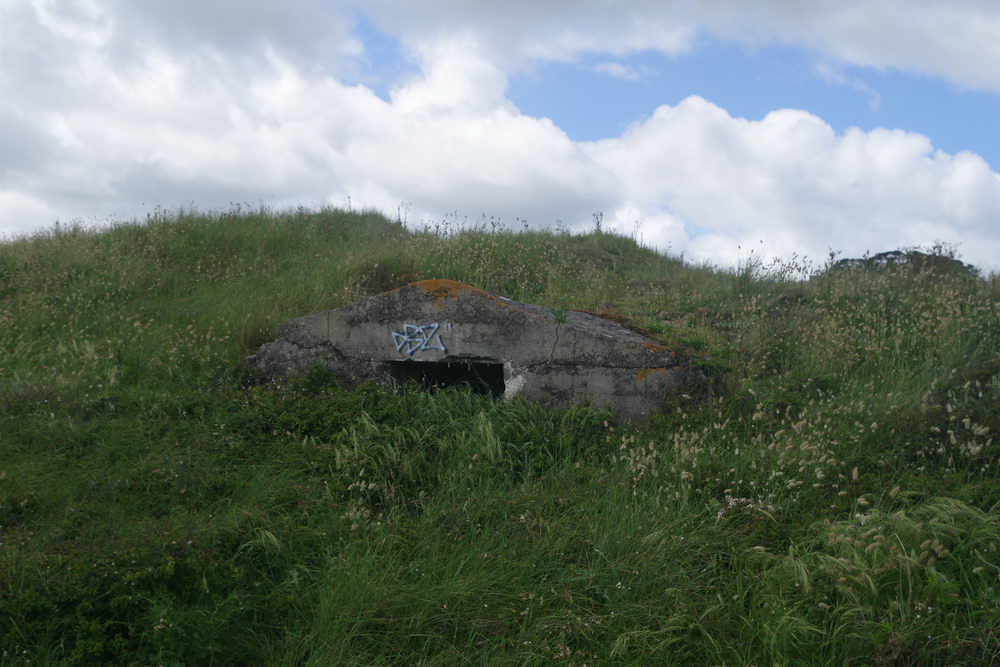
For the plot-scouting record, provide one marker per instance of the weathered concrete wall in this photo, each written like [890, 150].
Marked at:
[558, 360]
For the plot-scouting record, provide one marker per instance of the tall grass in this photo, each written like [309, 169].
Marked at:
[825, 491]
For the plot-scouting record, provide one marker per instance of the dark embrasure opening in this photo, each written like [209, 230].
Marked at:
[483, 377]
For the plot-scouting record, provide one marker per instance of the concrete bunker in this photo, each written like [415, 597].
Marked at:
[441, 333]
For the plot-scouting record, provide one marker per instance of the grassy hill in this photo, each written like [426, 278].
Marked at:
[827, 493]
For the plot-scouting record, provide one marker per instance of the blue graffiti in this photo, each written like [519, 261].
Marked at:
[421, 338]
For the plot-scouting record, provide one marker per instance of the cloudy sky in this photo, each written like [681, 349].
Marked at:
[706, 127]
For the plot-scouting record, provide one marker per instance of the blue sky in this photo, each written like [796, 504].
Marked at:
[590, 103]
[750, 82]
[703, 128]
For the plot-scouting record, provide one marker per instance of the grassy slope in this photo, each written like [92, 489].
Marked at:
[828, 494]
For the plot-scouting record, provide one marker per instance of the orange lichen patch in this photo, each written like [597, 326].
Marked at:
[655, 347]
[442, 288]
[643, 373]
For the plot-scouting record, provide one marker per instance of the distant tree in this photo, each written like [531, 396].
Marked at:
[940, 258]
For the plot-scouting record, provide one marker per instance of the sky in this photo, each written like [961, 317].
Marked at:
[718, 130]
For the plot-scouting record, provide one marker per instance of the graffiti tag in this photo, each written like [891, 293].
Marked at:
[418, 338]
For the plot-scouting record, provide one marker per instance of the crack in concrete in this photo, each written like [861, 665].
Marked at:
[552, 353]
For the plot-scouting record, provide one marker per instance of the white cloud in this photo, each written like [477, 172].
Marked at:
[515, 32]
[957, 40]
[624, 72]
[456, 77]
[21, 213]
[834, 77]
[111, 107]
[173, 128]
[790, 181]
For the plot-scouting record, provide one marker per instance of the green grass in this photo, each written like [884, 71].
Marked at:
[825, 492]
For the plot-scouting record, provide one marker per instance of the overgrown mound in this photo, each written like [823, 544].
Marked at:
[829, 493]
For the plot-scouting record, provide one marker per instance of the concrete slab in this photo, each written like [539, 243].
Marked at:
[441, 332]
